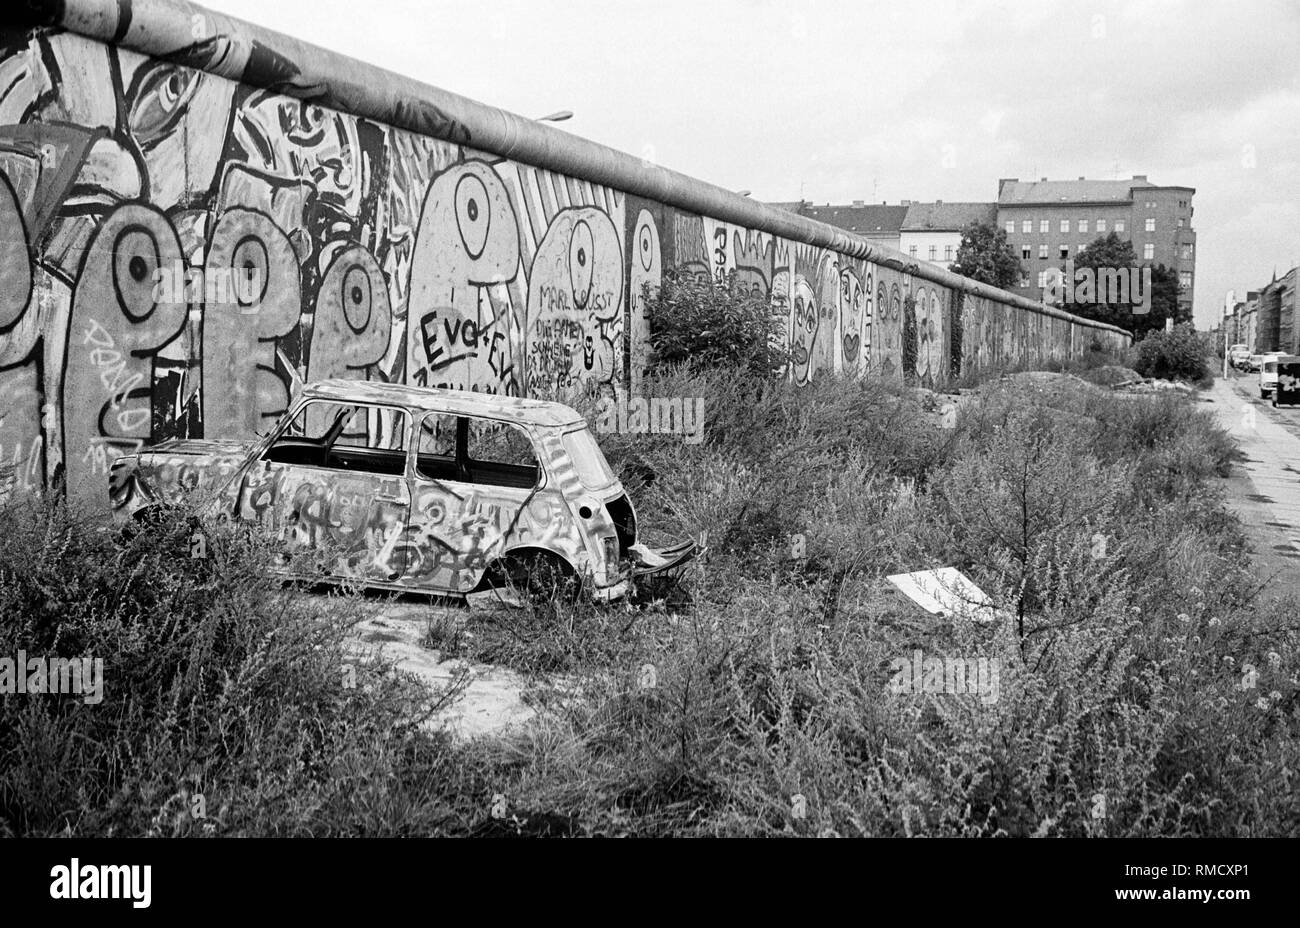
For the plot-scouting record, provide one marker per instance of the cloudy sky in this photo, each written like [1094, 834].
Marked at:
[838, 101]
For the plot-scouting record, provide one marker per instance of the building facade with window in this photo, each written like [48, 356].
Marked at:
[1048, 222]
[1275, 327]
[932, 231]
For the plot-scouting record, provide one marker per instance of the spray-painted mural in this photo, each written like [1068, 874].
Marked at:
[370, 252]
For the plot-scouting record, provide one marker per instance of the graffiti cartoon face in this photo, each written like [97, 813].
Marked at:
[928, 347]
[853, 304]
[353, 320]
[753, 256]
[828, 311]
[461, 327]
[646, 272]
[804, 320]
[287, 137]
[117, 325]
[177, 116]
[241, 388]
[575, 301]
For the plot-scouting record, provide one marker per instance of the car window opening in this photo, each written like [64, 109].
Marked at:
[465, 449]
[337, 436]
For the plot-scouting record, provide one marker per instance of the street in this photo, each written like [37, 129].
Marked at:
[1264, 488]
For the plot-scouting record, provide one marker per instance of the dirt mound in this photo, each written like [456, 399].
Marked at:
[1110, 375]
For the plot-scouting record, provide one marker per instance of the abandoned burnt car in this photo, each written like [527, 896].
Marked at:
[415, 489]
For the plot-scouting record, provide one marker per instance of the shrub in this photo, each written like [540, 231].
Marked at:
[1177, 355]
[699, 322]
[229, 705]
[1150, 689]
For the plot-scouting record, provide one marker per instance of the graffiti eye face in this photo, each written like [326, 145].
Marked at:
[646, 247]
[581, 263]
[473, 214]
[161, 99]
[135, 271]
[358, 302]
[251, 262]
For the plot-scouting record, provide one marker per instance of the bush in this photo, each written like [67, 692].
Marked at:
[695, 321]
[1148, 686]
[1177, 355]
[229, 705]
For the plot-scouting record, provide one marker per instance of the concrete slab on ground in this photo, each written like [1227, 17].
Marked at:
[491, 702]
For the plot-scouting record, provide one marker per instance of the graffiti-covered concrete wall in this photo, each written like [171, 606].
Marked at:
[323, 218]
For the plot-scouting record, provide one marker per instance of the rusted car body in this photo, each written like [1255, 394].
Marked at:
[413, 489]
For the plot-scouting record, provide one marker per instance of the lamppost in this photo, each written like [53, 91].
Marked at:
[557, 116]
[1229, 300]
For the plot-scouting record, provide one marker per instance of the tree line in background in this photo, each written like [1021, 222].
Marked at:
[986, 255]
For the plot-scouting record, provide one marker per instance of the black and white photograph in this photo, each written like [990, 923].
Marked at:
[652, 419]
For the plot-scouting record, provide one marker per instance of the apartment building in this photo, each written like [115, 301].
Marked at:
[1049, 222]
[932, 231]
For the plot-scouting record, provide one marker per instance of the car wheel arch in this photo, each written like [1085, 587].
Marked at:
[492, 572]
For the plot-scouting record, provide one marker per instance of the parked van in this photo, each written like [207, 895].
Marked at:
[1287, 390]
[1268, 374]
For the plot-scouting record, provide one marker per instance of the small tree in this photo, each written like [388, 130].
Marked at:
[695, 320]
[1108, 253]
[1114, 253]
[986, 256]
[1164, 302]
[1177, 355]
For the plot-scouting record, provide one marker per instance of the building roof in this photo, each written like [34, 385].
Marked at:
[864, 219]
[1014, 192]
[948, 217]
[454, 402]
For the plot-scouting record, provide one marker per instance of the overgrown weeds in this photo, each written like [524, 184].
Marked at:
[1145, 685]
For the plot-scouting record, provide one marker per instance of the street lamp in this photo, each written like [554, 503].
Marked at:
[744, 193]
[557, 116]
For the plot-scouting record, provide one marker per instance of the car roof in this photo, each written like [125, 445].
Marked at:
[454, 402]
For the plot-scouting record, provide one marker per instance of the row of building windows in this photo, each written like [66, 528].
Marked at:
[934, 252]
[1044, 226]
[1184, 279]
[1153, 204]
[1148, 251]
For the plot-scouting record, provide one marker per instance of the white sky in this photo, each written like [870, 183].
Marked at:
[840, 101]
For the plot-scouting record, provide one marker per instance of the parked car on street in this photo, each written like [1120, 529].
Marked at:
[1238, 355]
[414, 489]
[1286, 392]
[1255, 363]
[1268, 373]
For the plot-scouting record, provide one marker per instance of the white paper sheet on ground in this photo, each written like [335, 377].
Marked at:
[947, 592]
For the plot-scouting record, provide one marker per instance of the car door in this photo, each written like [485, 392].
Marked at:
[472, 479]
[332, 483]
